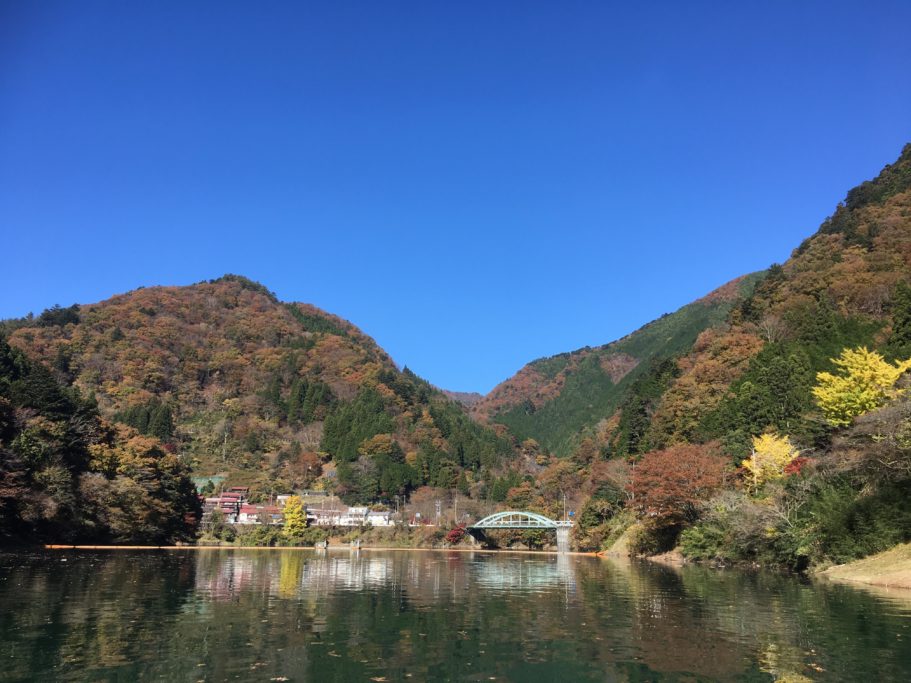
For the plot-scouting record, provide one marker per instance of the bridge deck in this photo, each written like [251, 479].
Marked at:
[514, 519]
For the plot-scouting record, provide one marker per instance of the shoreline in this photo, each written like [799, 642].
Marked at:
[889, 569]
[52, 546]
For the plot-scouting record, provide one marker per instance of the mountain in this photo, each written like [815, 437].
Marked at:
[739, 360]
[842, 287]
[768, 424]
[104, 406]
[466, 398]
[273, 395]
[553, 400]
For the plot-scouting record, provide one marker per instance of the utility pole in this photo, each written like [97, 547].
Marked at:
[455, 513]
[439, 508]
[564, 505]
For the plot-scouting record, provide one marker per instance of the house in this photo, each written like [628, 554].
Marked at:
[248, 514]
[272, 513]
[354, 516]
[323, 516]
[229, 503]
[380, 518]
[259, 514]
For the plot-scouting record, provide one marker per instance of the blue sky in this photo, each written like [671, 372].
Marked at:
[474, 184]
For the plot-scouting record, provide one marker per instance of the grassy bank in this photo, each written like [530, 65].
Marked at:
[891, 569]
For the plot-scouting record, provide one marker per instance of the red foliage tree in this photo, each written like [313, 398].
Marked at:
[668, 485]
[796, 466]
[456, 535]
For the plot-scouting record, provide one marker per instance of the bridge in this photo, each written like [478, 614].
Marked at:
[515, 519]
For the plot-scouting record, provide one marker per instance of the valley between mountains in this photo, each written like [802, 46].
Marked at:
[766, 422]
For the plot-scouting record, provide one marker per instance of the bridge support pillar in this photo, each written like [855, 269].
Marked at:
[478, 537]
[562, 539]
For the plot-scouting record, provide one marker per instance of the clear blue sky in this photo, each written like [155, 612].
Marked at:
[475, 184]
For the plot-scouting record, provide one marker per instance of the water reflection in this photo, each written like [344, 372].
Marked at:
[346, 616]
[427, 576]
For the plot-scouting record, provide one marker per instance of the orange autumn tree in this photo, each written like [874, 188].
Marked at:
[668, 485]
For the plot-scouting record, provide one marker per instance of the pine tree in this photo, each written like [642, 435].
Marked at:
[899, 345]
[160, 422]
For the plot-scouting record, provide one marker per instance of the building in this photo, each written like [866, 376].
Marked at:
[260, 514]
[235, 508]
[380, 518]
[355, 516]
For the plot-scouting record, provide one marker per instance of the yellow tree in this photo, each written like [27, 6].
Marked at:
[295, 517]
[865, 381]
[771, 454]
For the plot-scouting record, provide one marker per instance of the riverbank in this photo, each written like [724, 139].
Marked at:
[453, 549]
[889, 569]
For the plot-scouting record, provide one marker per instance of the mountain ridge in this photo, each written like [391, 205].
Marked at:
[238, 381]
[539, 384]
[850, 265]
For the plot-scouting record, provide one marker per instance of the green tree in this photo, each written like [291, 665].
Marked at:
[349, 424]
[899, 345]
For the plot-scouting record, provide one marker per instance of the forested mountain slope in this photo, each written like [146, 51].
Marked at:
[781, 435]
[553, 400]
[742, 358]
[841, 288]
[66, 474]
[274, 394]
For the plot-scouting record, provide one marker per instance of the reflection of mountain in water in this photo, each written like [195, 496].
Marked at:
[223, 575]
[310, 616]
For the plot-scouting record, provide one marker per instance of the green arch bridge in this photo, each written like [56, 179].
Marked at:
[516, 519]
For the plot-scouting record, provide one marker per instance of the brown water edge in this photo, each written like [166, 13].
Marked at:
[376, 548]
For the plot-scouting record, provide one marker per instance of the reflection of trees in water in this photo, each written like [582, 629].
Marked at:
[426, 577]
[88, 609]
[642, 612]
[305, 615]
[793, 623]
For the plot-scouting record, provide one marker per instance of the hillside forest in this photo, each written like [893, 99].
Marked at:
[768, 422]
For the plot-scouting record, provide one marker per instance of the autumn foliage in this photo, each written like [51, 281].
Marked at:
[264, 391]
[668, 485]
[865, 380]
[455, 536]
[771, 456]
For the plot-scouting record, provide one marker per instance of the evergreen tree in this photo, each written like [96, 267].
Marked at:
[350, 424]
[161, 424]
[899, 345]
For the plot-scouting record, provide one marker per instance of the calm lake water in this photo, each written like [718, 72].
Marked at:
[217, 615]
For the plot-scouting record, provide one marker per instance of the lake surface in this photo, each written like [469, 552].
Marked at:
[215, 615]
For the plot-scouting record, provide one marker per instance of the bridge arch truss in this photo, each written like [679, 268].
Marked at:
[516, 519]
